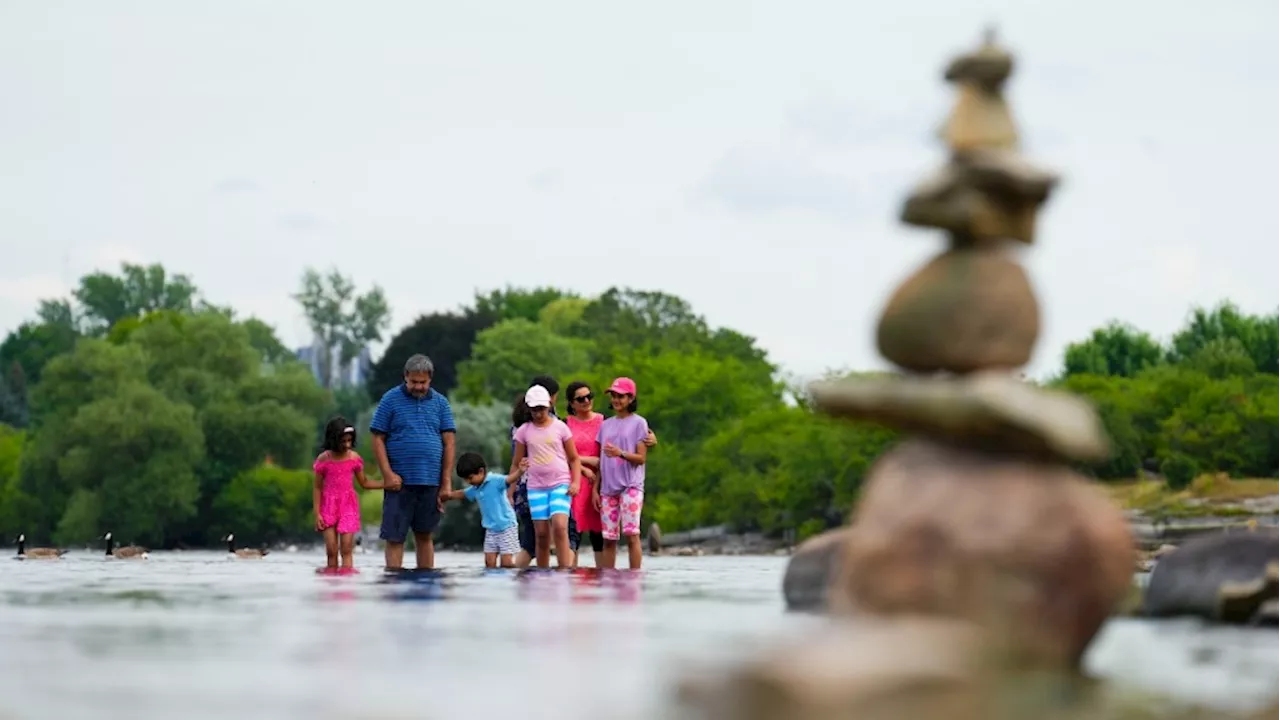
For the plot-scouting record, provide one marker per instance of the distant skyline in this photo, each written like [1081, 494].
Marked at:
[748, 157]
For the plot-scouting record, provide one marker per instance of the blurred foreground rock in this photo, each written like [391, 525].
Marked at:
[1028, 549]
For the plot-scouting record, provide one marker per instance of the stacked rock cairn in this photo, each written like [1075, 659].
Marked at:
[973, 538]
[978, 513]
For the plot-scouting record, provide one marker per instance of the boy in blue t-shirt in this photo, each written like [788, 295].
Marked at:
[501, 534]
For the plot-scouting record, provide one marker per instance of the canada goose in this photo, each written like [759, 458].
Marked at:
[42, 553]
[128, 552]
[244, 553]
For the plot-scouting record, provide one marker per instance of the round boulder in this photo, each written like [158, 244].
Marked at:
[1229, 577]
[807, 581]
[967, 309]
[1027, 548]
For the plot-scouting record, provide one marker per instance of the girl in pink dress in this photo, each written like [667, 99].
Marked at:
[336, 504]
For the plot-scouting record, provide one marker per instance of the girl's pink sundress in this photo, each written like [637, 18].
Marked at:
[339, 504]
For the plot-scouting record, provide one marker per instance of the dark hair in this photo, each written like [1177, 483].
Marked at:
[572, 390]
[469, 464]
[519, 412]
[333, 432]
[547, 382]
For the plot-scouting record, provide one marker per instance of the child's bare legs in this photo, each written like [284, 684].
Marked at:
[564, 555]
[635, 552]
[330, 535]
[347, 542]
[491, 560]
[507, 561]
[609, 556]
[523, 559]
[542, 535]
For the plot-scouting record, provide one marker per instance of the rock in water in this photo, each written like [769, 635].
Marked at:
[807, 582]
[1031, 550]
[967, 309]
[1227, 578]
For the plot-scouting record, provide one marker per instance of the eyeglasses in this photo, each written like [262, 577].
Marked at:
[584, 398]
[618, 395]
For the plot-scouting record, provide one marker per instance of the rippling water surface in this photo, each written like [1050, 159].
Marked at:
[196, 635]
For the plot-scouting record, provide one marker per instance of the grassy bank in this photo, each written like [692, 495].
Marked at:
[1208, 495]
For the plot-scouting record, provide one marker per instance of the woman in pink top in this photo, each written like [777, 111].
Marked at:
[584, 423]
[334, 498]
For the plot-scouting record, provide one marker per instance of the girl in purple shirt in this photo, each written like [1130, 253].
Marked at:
[620, 494]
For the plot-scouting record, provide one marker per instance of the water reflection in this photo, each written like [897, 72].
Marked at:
[195, 635]
[414, 585]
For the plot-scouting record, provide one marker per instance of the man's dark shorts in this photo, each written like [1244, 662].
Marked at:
[410, 507]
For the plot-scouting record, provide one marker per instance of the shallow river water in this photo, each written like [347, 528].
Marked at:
[196, 635]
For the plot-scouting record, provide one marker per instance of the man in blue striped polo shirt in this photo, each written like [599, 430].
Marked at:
[413, 433]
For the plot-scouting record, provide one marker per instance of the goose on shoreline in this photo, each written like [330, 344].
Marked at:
[126, 552]
[36, 553]
[243, 553]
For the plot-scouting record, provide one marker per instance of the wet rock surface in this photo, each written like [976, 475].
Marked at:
[807, 582]
[1228, 577]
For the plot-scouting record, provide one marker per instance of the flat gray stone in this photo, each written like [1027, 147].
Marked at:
[983, 410]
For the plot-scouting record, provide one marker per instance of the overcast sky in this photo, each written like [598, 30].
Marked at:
[750, 157]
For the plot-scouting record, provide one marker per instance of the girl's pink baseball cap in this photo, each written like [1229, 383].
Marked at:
[623, 386]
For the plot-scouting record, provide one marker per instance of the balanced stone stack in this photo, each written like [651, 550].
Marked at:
[977, 515]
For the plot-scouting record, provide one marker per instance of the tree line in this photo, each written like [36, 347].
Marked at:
[137, 407]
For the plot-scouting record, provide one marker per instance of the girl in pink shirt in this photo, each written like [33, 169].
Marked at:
[334, 498]
[553, 476]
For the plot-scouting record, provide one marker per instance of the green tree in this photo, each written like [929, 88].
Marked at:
[445, 337]
[27, 349]
[341, 320]
[772, 470]
[263, 339]
[12, 503]
[517, 303]
[267, 504]
[1259, 335]
[564, 316]
[508, 354]
[1116, 349]
[106, 299]
[139, 452]
[242, 411]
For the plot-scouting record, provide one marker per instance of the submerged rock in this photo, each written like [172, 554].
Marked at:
[1229, 577]
[807, 582]
[1031, 550]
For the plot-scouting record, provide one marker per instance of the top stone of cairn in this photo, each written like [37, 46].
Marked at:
[987, 192]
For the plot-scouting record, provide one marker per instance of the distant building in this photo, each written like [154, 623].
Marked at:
[354, 373]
